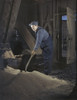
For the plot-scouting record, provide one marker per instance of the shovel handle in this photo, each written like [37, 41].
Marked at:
[26, 67]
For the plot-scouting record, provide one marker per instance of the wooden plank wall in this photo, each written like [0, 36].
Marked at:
[27, 36]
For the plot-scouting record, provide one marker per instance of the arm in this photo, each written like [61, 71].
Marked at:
[39, 39]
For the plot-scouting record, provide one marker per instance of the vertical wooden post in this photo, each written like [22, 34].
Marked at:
[14, 13]
[5, 18]
[8, 20]
[41, 11]
[54, 32]
[71, 36]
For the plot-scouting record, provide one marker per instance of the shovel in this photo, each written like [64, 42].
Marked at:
[26, 67]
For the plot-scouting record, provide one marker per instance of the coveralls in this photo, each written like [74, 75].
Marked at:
[44, 41]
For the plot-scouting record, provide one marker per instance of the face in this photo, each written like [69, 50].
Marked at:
[34, 27]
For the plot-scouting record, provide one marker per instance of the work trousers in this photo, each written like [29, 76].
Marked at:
[47, 56]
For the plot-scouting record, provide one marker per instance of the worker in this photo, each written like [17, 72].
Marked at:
[44, 41]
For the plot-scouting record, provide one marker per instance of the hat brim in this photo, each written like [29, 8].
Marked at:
[33, 23]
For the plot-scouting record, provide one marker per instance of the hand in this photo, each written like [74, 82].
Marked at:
[33, 52]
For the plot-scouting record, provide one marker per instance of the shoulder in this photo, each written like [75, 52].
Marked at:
[40, 29]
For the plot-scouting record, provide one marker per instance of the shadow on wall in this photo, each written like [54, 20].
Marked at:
[17, 43]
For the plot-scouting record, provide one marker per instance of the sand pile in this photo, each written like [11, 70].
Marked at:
[31, 86]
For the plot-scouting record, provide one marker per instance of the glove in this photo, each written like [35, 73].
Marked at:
[33, 52]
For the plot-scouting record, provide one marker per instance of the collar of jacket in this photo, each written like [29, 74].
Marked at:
[38, 29]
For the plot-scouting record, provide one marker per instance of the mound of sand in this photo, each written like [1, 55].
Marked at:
[17, 85]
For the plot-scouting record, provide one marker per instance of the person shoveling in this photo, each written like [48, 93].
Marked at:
[44, 41]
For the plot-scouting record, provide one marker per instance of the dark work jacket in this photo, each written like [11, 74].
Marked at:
[43, 39]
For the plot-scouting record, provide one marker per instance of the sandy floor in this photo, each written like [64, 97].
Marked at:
[17, 85]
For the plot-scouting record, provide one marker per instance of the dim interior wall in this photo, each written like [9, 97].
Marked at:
[71, 36]
[8, 18]
[48, 14]
[50, 17]
[1, 8]
[5, 18]
[45, 17]
[28, 12]
[1, 13]
[13, 18]
[59, 9]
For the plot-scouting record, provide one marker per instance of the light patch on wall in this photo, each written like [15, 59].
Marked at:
[64, 17]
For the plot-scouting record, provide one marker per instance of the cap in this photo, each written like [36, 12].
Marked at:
[33, 23]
